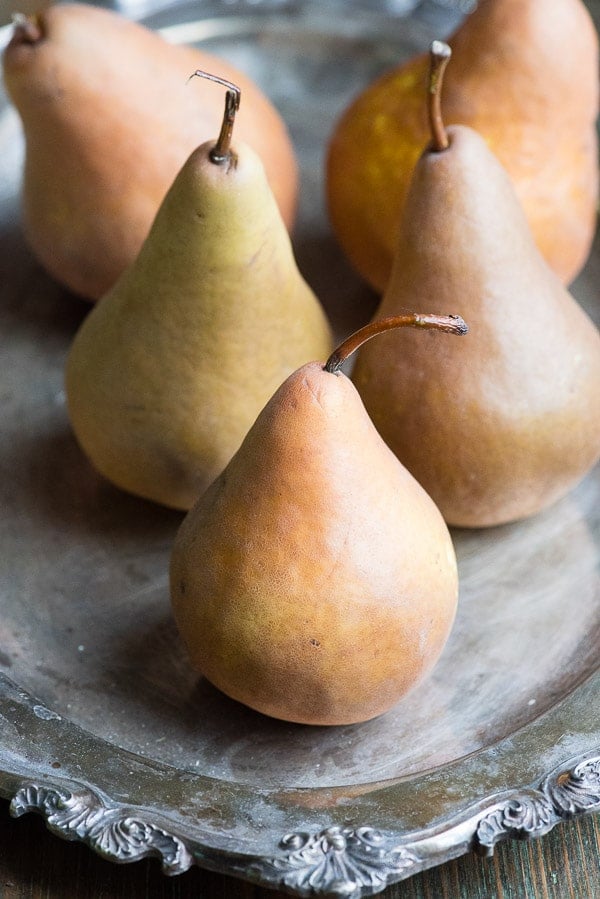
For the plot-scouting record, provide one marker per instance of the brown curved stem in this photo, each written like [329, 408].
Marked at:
[439, 56]
[26, 29]
[221, 152]
[451, 324]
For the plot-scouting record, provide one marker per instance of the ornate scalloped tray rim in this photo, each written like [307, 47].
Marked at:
[331, 857]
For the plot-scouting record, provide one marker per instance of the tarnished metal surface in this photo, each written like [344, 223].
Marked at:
[106, 731]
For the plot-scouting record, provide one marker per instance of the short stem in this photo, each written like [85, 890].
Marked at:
[222, 149]
[439, 56]
[26, 29]
[451, 324]
[221, 152]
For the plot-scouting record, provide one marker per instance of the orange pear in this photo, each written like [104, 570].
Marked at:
[108, 122]
[525, 76]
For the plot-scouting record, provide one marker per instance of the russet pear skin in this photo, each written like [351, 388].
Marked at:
[314, 581]
[109, 119]
[524, 74]
[169, 370]
[506, 422]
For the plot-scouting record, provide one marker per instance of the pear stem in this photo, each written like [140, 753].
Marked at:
[451, 324]
[26, 29]
[221, 152]
[439, 57]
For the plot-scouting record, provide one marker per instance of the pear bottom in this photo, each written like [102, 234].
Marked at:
[329, 660]
[321, 682]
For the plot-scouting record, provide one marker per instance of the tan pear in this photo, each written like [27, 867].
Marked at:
[172, 366]
[525, 77]
[315, 581]
[503, 428]
[109, 120]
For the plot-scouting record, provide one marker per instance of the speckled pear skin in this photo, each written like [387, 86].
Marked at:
[315, 581]
[508, 421]
[104, 141]
[170, 369]
[524, 74]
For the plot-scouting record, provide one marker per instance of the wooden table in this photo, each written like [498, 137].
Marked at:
[565, 864]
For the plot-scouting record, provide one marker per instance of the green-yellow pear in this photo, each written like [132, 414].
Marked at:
[171, 367]
[511, 423]
[108, 122]
[525, 77]
[315, 580]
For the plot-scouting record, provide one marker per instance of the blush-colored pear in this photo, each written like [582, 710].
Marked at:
[109, 120]
[315, 580]
[525, 76]
[171, 367]
[508, 425]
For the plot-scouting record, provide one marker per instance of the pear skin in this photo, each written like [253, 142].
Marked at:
[105, 141]
[525, 76]
[508, 422]
[170, 369]
[315, 581]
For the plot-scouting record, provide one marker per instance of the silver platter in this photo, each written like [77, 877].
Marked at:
[106, 731]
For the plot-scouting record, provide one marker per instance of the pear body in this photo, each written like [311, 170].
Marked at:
[109, 119]
[524, 74]
[169, 370]
[315, 581]
[503, 424]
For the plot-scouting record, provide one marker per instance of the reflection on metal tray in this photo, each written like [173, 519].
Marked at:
[106, 731]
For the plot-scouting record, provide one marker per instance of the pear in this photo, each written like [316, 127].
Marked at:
[510, 424]
[108, 122]
[170, 368]
[525, 76]
[315, 581]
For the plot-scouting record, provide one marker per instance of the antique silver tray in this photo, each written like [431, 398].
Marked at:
[106, 731]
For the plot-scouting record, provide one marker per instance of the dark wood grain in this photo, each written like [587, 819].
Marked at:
[565, 864]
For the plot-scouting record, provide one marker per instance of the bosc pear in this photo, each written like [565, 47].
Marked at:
[315, 581]
[108, 122]
[510, 424]
[169, 370]
[525, 77]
